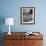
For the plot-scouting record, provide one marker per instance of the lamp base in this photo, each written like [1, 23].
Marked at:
[9, 33]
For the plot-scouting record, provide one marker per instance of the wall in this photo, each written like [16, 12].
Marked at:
[11, 8]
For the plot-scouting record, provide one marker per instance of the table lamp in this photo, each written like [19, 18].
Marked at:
[9, 21]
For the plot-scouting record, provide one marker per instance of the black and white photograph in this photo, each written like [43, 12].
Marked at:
[27, 15]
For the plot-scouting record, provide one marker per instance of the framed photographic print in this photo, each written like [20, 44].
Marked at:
[27, 15]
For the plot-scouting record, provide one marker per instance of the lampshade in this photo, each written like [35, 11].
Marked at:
[9, 21]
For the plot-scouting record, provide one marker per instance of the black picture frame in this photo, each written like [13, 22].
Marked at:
[27, 15]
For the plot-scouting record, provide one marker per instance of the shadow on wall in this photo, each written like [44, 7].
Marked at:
[2, 21]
